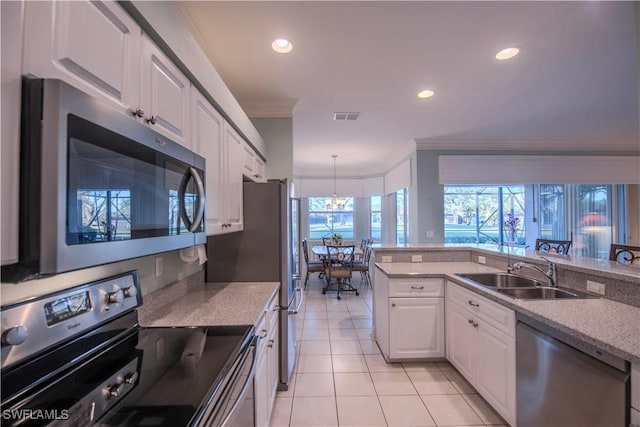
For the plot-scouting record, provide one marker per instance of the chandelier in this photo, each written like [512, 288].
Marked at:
[336, 203]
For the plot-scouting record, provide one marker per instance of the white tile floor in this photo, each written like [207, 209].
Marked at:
[341, 379]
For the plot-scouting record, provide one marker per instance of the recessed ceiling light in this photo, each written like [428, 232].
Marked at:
[507, 53]
[282, 46]
[426, 94]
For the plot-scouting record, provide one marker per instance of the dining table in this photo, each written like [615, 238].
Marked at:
[321, 251]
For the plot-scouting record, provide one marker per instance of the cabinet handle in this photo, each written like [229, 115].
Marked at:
[470, 321]
[275, 308]
[475, 324]
[393, 304]
[263, 334]
[255, 175]
[473, 304]
[417, 287]
[151, 119]
[270, 345]
[138, 112]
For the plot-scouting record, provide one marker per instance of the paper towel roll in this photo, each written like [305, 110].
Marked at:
[202, 254]
[193, 351]
[193, 253]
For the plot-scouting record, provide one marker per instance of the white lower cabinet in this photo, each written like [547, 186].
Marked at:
[416, 328]
[266, 378]
[482, 352]
[409, 317]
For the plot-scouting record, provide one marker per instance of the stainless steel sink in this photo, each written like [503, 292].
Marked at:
[500, 280]
[537, 293]
[519, 287]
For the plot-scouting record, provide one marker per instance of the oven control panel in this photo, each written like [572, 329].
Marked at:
[34, 325]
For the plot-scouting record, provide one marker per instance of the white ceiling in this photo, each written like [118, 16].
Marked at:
[574, 85]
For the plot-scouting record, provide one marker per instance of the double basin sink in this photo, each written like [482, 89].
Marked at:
[519, 287]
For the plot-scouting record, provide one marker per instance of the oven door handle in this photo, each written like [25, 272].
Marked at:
[248, 382]
[200, 201]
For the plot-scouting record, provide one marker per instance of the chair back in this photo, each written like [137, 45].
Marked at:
[305, 250]
[624, 254]
[341, 261]
[560, 247]
[326, 241]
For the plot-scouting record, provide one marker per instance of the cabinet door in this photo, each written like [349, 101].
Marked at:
[233, 187]
[460, 339]
[249, 157]
[94, 46]
[416, 327]
[12, 26]
[164, 93]
[259, 172]
[495, 369]
[206, 140]
[261, 394]
[272, 367]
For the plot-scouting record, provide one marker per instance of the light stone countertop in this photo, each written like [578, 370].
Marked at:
[611, 326]
[207, 304]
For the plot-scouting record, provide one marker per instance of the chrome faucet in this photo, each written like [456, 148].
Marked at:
[551, 274]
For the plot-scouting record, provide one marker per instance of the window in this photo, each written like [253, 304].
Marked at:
[375, 218]
[402, 216]
[583, 212]
[476, 214]
[327, 217]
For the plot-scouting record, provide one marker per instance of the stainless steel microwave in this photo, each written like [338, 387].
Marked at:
[97, 186]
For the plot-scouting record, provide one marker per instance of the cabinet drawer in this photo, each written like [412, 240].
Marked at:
[502, 318]
[425, 287]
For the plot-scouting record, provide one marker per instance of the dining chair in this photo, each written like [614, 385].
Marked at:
[560, 247]
[312, 266]
[326, 241]
[624, 254]
[363, 266]
[339, 267]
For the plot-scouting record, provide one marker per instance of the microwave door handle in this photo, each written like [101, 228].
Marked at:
[201, 200]
[182, 201]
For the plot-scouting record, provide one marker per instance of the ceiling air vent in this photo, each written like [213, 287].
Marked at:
[346, 116]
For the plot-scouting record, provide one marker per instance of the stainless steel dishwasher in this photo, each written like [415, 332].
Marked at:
[564, 382]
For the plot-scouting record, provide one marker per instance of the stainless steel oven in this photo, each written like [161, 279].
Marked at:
[79, 358]
[97, 186]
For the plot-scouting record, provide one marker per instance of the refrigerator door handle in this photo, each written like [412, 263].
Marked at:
[297, 309]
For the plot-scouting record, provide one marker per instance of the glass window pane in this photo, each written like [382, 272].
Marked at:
[328, 215]
[375, 218]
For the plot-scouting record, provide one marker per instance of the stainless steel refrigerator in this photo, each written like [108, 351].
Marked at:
[265, 251]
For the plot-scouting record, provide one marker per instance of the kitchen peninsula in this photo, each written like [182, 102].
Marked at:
[424, 310]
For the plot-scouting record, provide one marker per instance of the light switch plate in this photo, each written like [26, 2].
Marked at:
[387, 258]
[595, 287]
[416, 258]
[482, 260]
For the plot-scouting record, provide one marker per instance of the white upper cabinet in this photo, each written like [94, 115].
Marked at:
[94, 46]
[254, 166]
[206, 140]
[11, 38]
[98, 48]
[233, 185]
[164, 93]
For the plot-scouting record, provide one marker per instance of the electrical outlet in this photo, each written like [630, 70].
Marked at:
[416, 258]
[430, 234]
[595, 287]
[159, 266]
[482, 260]
[387, 258]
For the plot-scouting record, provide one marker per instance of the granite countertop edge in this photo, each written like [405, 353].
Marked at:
[554, 313]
